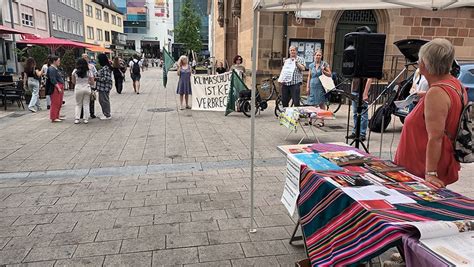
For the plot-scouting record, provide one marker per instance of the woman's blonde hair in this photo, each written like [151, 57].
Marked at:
[182, 59]
[437, 56]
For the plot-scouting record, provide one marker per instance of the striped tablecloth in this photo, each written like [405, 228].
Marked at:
[338, 231]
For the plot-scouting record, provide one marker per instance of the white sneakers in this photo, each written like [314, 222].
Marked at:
[76, 121]
[105, 118]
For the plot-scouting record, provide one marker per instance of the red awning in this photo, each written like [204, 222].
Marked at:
[8, 30]
[53, 42]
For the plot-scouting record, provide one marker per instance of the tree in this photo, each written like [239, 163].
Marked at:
[187, 30]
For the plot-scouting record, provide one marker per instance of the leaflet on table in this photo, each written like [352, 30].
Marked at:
[295, 149]
[291, 190]
[315, 162]
[343, 158]
[376, 192]
[454, 241]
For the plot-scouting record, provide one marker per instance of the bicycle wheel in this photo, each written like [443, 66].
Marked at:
[278, 106]
[245, 108]
[334, 107]
[268, 90]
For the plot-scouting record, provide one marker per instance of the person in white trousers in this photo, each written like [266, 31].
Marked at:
[82, 78]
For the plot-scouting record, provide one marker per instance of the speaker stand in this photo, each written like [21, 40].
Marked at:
[360, 101]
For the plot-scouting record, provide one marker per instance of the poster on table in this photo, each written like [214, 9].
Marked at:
[210, 92]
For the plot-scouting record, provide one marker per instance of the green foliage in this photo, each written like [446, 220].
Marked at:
[187, 30]
[68, 61]
[39, 53]
[21, 54]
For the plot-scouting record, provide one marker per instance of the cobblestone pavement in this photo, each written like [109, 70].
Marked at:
[150, 188]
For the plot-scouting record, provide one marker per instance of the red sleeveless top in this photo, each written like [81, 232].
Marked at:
[411, 151]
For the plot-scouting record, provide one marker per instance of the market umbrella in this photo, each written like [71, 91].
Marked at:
[7, 30]
[54, 43]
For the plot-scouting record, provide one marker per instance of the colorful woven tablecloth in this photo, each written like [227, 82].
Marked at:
[338, 231]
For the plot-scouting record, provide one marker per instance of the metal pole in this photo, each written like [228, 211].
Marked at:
[252, 110]
[10, 3]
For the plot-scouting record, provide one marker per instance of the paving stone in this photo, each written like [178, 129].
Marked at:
[220, 252]
[150, 187]
[59, 208]
[290, 260]
[35, 219]
[133, 221]
[293, 249]
[264, 248]
[39, 202]
[81, 262]
[175, 256]
[172, 218]
[140, 195]
[73, 238]
[95, 224]
[127, 203]
[210, 264]
[158, 230]
[186, 240]
[184, 207]
[161, 201]
[97, 249]
[34, 264]
[75, 199]
[28, 242]
[228, 236]
[149, 210]
[270, 233]
[196, 227]
[7, 221]
[4, 241]
[92, 206]
[193, 198]
[208, 215]
[132, 259]
[179, 185]
[242, 212]
[108, 197]
[273, 210]
[12, 256]
[51, 253]
[217, 205]
[143, 244]
[225, 196]
[8, 212]
[258, 261]
[117, 234]
[274, 220]
[202, 190]
[230, 224]
[22, 230]
[53, 228]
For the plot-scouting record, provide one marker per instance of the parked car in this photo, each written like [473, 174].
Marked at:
[466, 76]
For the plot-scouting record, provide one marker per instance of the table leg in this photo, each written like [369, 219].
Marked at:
[293, 236]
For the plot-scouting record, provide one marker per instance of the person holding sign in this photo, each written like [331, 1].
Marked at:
[184, 83]
[291, 78]
[314, 88]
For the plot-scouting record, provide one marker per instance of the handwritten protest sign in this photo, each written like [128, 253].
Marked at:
[210, 92]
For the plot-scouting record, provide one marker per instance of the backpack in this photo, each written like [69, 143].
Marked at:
[462, 142]
[135, 68]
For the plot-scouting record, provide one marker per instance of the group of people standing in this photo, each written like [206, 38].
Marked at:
[88, 83]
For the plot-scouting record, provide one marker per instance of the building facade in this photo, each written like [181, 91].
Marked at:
[102, 22]
[326, 30]
[148, 25]
[66, 20]
[201, 7]
[29, 16]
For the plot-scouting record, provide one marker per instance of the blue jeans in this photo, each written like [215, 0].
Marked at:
[365, 116]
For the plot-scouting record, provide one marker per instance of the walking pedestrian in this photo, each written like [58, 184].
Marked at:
[93, 97]
[135, 66]
[55, 88]
[119, 73]
[31, 80]
[44, 73]
[104, 85]
[82, 78]
[184, 83]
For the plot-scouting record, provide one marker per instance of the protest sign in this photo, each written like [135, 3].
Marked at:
[210, 92]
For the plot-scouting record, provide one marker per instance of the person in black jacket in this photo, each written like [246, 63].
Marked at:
[119, 74]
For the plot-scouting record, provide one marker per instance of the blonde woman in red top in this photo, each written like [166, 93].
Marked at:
[425, 147]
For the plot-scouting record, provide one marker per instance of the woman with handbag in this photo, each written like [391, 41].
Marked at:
[118, 74]
[82, 78]
[31, 79]
[314, 88]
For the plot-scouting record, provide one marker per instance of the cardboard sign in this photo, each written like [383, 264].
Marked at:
[210, 92]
